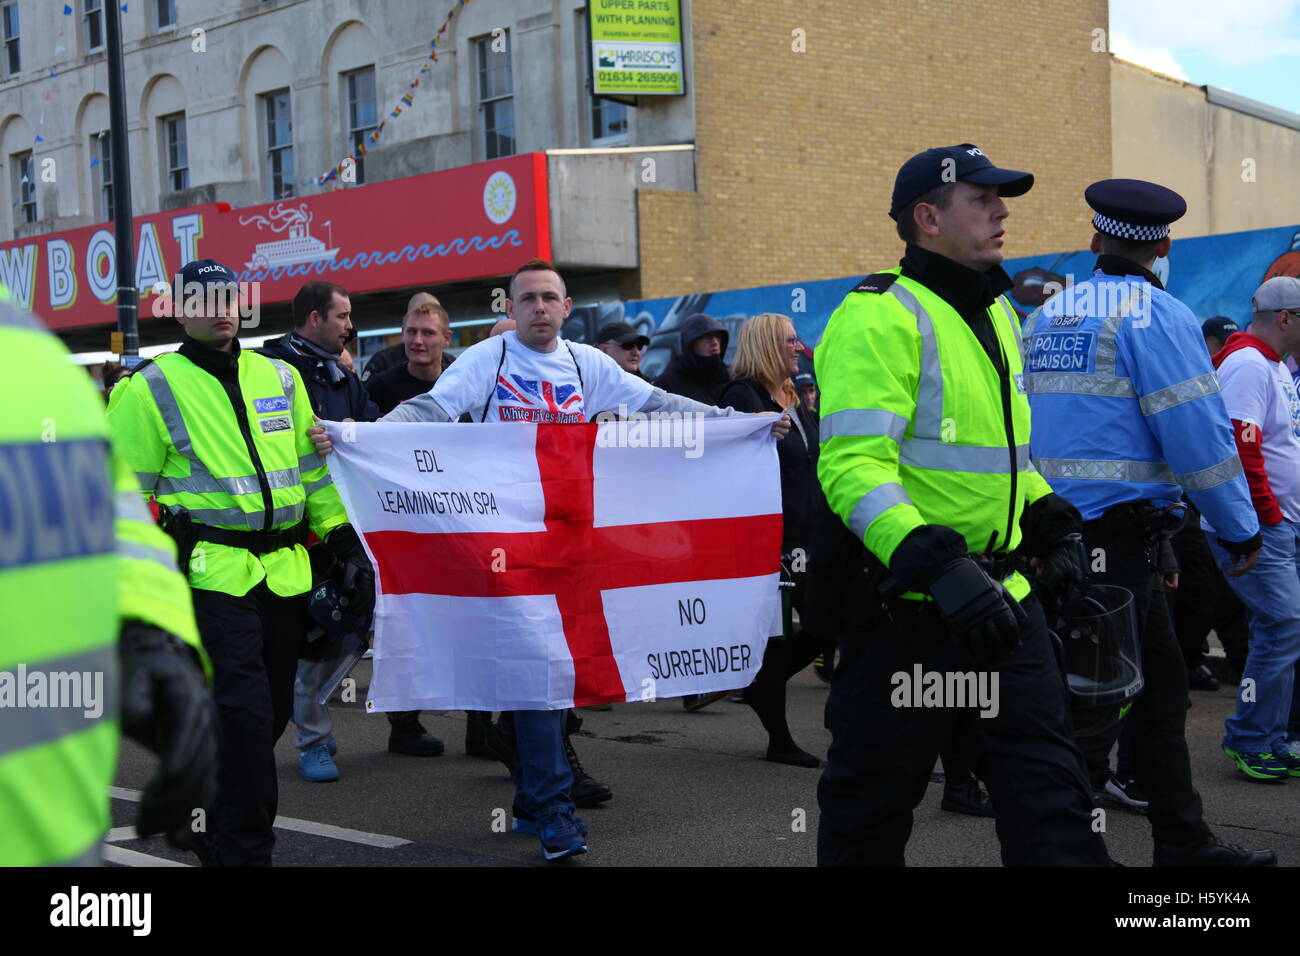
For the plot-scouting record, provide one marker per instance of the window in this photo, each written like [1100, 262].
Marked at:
[608, 122]
[24, 172]
[279, 143]
[165, 10]
[102, 146]
[363, 116]
[177, 158]
[13, 62]
[94, 25]
[495, 96]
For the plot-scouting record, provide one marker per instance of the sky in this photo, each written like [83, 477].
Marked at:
[1248, 47]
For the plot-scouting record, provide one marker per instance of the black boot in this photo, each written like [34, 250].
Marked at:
[587, 791]
[965, 796]
[499, 738]
[476, 724]
[409, 737]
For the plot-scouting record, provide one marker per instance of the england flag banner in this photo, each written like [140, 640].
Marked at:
[537, 567]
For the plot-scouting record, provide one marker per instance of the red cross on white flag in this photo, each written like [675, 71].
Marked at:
[538, 567]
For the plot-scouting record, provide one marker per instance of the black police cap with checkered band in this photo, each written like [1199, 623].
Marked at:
[1134, 209]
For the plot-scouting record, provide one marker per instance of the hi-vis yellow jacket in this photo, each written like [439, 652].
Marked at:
[240, 461]
[79, 555]
[917, 425]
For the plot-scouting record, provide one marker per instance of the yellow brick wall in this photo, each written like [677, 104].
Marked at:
[796, 152]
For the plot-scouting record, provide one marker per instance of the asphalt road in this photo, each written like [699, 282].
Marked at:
[690, 789]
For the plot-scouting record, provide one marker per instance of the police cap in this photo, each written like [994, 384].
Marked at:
[1133, 209]
[207, 272]
[965, 163]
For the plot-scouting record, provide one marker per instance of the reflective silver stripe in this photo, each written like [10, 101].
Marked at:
[1086, 469]
[143, 552]
[929, 392]
[130, 506]
[9, 315]
[1077, 383]
[27, 727]
[147, 479]
[875, 503]
[1186, 391]
[206, 484]
[314, 486]
[1207, 478]
[247, 520]
[229, 517]
[1107, 347]
[286, 380]
[169, 409]
[943, 456]
[93, 855]
[310, 461]
[1014, 319]
[863, 422]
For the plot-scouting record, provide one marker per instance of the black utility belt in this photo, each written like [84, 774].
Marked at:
[254, 542]
[1142, 519]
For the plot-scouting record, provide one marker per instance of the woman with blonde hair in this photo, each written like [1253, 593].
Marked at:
[767, 359]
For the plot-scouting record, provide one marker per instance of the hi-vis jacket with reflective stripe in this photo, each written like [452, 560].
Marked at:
[178, 427]
[918, 427]
[1126, 406]
[79, 554]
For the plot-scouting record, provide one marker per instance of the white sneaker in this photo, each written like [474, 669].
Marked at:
[1293, 748]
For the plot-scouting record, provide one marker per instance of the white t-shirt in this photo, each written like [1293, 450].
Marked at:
[571, 383]
[1262, 392]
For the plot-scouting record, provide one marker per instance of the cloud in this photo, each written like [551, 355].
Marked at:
[1236, 33]
[1145, 54]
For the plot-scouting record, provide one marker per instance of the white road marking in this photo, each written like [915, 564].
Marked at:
[328, 830]
[120, 854]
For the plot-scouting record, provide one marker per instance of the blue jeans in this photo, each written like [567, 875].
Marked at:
[543, 779]
[312, 719]
[1271, 593]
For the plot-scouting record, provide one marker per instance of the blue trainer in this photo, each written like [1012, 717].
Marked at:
[559, 833]
[521, 821]
[317, 766]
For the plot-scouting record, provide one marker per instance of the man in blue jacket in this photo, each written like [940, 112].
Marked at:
[1126, 417]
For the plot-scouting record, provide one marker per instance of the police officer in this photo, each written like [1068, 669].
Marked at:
[219, 436]
[90, 599]
[925, 457]
[1127, 416]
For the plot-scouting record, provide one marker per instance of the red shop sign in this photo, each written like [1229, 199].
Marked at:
[471, 222]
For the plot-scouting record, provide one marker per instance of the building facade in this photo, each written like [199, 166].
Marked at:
[774, 166]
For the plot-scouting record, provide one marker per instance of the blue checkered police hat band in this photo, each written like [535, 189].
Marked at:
[1126, 230]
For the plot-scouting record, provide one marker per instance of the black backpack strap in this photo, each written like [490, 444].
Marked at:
[492, 391]
[878, 283]
[578, 368]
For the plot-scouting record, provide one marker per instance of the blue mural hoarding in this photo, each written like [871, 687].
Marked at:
[1213, 275]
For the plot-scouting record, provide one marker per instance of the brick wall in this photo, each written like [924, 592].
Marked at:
[797, 151]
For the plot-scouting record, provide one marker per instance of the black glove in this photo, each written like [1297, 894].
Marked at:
[926, 549]
[979, 610]
[1045, 524]
[167, 708]
[358, 573]
[1063, 573]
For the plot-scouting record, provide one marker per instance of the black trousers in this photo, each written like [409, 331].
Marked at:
[1157, 721]
[881, 756]
[1204, 601]
[253, 642]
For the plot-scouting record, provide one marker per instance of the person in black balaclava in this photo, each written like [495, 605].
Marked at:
[698, 371]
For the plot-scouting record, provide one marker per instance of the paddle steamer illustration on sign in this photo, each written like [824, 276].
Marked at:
[300, 247]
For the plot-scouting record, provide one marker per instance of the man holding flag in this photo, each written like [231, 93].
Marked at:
[530, 375]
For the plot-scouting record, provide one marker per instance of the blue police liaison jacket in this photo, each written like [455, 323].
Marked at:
[1125, 403]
